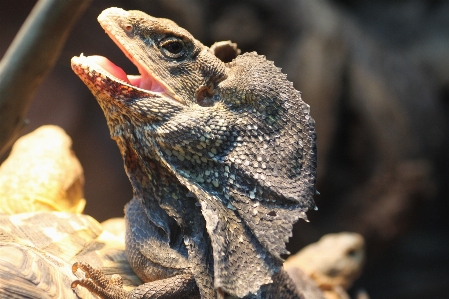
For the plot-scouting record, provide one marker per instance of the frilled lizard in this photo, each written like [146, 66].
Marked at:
[221, 158]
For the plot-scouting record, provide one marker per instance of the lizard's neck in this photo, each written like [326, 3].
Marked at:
[150, 180]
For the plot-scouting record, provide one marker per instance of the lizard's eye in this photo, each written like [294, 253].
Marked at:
[172, 47]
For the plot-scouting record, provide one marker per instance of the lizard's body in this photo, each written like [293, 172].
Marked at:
[221, 158]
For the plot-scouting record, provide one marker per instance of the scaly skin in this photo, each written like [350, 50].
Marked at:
[221, 157]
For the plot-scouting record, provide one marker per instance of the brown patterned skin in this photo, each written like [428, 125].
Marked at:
[221, 157]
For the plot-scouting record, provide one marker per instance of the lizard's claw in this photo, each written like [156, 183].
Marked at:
[96, 282]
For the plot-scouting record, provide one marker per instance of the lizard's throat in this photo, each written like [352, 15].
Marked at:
[149, 179]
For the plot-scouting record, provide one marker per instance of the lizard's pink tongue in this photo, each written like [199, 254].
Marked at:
[111, 68]
[143, 81]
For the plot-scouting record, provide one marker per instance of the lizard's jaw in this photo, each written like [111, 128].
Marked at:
[141, 98]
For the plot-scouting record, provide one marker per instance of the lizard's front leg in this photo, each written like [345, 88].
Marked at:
[162, 264]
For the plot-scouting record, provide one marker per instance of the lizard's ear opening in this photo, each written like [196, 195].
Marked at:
[205, 95]
[226, 51]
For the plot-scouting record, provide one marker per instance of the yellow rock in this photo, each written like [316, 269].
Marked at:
[42, 174]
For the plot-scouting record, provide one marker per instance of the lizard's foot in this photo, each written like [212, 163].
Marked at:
[96, 282]
[179, 286]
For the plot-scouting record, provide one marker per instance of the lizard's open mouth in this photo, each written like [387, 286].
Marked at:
[86, 66]
[143, 81]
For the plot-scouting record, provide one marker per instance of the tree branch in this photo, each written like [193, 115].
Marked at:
[30, 58]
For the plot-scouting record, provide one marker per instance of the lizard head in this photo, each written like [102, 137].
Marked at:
[172, 64]
[236, 135]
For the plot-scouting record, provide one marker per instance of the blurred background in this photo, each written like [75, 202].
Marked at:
[376, 75]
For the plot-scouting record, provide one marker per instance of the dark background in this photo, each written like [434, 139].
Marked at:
[376, 74]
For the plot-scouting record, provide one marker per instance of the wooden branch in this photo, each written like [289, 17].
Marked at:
[30, 58]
